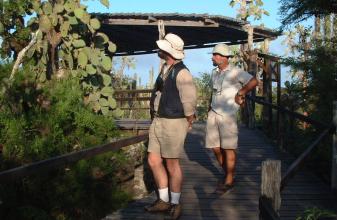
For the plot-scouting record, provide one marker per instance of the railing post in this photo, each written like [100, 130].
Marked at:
[334, 151]
[281, 130]
[280, 114]
[252, 69]
[271, 182]
[267, 94]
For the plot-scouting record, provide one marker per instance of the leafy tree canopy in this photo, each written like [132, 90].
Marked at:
[295, 11]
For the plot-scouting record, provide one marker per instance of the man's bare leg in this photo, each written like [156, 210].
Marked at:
[160, 176]
[230, 162]
[175, 173]
[159, 172]
[227, 160]
[220, 156]
[175, 181]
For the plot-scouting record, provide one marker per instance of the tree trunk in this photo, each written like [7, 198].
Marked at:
[327, 30]
[334, 151]
[317, 29]
[334, 26]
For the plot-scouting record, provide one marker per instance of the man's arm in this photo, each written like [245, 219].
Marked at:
[188, 94]
[240, 95]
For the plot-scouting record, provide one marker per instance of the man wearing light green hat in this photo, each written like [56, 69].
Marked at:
[229, 87]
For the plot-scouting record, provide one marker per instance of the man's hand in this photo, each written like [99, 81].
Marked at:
[240, 98]
[241, 94]
[190, 119]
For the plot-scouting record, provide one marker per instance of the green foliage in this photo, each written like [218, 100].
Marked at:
[13, 32]
[86, 190]
[204, 88]
[315, 213]
[249, 9]
[119, 79]
[38, 122]
[55, 117]
[320, 74]
[311, 92]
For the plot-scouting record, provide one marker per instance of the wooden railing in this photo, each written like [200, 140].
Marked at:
[266, 203]
[59, 161]
[131, 97]
[137, 101]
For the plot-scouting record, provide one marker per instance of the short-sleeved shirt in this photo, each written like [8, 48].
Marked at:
[226, 84]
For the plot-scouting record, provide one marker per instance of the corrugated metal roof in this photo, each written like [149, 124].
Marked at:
[136, 33]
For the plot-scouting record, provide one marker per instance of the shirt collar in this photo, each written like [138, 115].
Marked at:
[229, 67]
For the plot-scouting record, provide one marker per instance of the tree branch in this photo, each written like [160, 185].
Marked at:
[22, 53]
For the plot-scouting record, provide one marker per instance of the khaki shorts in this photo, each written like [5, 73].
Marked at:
[221, 131]
[167, 136]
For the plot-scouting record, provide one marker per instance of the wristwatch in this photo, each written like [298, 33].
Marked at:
[240, 95]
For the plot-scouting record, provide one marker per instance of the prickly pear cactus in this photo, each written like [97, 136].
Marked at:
[69, 39]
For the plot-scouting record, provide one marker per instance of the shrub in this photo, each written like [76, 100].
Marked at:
[40, 121]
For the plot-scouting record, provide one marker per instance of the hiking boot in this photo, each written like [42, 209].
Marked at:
[224, 188]
[158, 206]
[174, 212]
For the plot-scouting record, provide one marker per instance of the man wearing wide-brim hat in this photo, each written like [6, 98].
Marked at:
[229, 87]
[173, 104]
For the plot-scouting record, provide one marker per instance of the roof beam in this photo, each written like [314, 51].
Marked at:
[151, 22]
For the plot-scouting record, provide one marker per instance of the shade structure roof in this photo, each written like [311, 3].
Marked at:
[136, 33]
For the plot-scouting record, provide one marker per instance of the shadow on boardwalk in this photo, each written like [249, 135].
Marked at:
[201, 173]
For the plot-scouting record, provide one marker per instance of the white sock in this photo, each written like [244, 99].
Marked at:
[163, 194]
[175, 197]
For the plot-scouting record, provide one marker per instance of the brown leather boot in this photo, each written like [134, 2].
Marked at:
[158, 206]
[174, 212]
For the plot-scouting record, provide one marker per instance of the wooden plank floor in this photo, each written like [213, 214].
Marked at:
[201, 173]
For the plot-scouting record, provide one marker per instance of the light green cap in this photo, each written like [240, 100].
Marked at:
[223, 50]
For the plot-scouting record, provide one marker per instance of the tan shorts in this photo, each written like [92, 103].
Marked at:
[221, 131]
[167, 136]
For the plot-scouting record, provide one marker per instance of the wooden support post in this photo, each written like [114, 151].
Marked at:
[264, 92]
[281, 131]
[279, 120]
[271, 182]
[249, 115]
[267, 94]
[334, 151]
[270, 97]
[266, 43]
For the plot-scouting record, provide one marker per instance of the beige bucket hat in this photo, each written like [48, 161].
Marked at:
[173, 45]
[223, 50]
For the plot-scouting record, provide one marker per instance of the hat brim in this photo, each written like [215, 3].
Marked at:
[166, 46]
[221, 54]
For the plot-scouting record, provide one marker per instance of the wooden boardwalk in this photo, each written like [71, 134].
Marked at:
[201, 173]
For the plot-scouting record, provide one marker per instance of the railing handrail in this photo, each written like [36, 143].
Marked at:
[265, 207]
[297, 115]
[133, 91]
[58, 161]
[299, 160]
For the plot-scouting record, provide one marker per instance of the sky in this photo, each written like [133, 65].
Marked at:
[197, 60]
